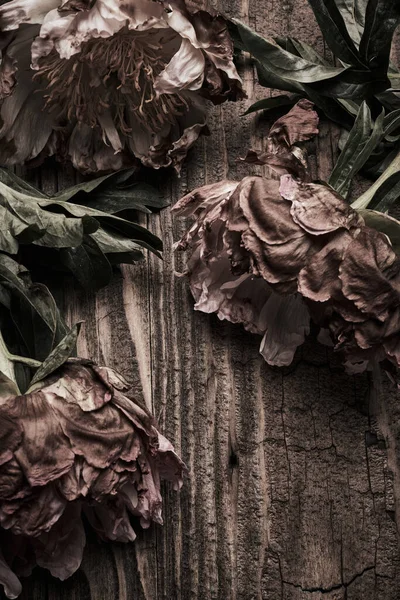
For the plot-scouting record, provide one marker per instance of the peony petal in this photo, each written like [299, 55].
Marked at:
[11, 435]
[45, 453]
[319, 279]
[34, 514]
[61, 549]
[78, 386]
[288, 325]
[317, 208]
[10, 582]
[184, 71]
[111, 521]
[206, 196]
[299, 125]
[363, 277]
[13, 13]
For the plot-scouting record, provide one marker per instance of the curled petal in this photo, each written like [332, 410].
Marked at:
[10, 582]
[288, 324]
[16, 12]
[299, 125]
[184, 71]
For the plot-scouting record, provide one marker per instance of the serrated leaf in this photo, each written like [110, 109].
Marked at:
[283, 64]
[58, 356]
[385, 224]
[359, 146]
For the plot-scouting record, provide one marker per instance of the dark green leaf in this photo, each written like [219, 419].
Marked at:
[274, 102]
[387, 194]
[381, 20]
[360, 144]
[353, 13]
[88, 264]
[279, 62]
[335, 32]
[16, 278]
[8, 388]
[384, 224]
[58, 356]
[137, 196]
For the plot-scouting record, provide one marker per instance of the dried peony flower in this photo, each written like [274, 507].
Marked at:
[274, 252]
[75, 445]
[103, 83]
[352, 285]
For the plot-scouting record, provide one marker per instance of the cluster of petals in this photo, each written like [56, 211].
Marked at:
[277, 252]
[75, 446]
[106, 83]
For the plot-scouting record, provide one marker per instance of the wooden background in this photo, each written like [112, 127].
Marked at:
[294, 484]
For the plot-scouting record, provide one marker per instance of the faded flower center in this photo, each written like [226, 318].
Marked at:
[114, 74]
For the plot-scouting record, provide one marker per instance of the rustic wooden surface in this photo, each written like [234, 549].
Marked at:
[293, 490]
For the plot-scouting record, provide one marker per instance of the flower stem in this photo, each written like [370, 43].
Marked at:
[364, 200]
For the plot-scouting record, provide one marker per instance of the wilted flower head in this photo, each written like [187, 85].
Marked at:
[104, 82]
[75, 445]
[272, 252]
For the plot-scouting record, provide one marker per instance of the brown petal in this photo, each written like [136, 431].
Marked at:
[317, 208]
[79, 385]
[101, 436]
[298, 125]
[45, 453]
[111, 521]
[34, 514]
[11, 434]
[319, 279]
[362, 273]
[288, 324]
[61, 549]
[10, 582]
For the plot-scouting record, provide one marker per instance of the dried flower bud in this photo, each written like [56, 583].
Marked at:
[109, 82]
[272, 252]
[73, 445]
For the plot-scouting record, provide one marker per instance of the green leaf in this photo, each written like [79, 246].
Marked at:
[283, 64]
[385, 224]
[384, 182]
[381, 20]
[16, 278]
[50, 223]
[353, 13]
[359, 146]
[88, 264]
[137, 196]
[387, 194]
[58, 356]
[8, 387]
[274, 102]
[335, 32]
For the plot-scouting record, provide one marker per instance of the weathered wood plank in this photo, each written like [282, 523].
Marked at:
[294, 481]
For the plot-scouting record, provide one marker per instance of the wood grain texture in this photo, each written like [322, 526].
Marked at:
[293, 490]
